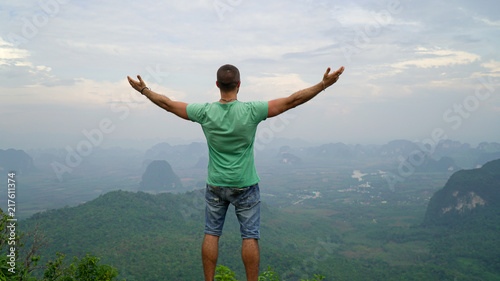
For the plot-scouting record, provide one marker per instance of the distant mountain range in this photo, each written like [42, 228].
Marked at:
[447, 155]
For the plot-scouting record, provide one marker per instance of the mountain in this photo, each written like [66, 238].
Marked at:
[470, 197]
[202, 163]
[464, 217]
[333, 150]
[159, 177]
[449, 147]
[139, 233]
[286, 157]
[16, 161]
[182, 155]
[397, 148]
[429, 165]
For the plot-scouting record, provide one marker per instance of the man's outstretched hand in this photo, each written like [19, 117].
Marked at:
[137, 85]
[330, 79]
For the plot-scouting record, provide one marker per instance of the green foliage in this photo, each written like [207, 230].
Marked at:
[317, 278]
[12, 267]
[84, 269]
[223, 273]
[5, 274]
[54, 269]
[269, 275]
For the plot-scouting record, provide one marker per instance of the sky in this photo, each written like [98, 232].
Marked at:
[414, 70]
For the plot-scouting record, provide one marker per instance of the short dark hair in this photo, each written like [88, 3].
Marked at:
[228, 77]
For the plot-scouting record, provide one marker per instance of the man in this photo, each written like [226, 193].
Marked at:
[229, 127]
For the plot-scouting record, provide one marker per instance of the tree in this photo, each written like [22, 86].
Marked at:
[223, 273]
[84, 269]
[11, 245]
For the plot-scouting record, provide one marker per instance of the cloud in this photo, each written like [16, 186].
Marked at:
[9, 55]
[488, 21]
[85, 93]
[274, 85]
[81, 46]
[432, 58]
[493, 66]
[17, 70]
[353, 14]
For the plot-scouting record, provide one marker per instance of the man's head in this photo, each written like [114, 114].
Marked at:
[228, 78]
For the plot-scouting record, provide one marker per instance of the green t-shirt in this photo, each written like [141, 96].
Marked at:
[230, 131]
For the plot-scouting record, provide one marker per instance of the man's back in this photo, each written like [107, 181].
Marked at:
[230, 132]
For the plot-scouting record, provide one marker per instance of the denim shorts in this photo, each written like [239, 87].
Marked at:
[246, 201]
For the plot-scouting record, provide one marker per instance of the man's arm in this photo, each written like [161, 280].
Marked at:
[176, 107]
[278, 106]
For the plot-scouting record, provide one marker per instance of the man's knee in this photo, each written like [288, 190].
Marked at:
[250, 242]
[211, 237]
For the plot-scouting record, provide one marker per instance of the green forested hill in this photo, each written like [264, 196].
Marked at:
[149, 237]
[158, 237]
[470, 198]
[466, 214]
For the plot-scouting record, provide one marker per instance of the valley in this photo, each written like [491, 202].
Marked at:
[333, 212]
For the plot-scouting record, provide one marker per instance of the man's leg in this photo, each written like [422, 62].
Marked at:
[209, 254]
[250, 254]
[215, 214]
[247, 207]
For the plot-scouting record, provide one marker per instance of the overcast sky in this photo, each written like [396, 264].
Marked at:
[412, 68]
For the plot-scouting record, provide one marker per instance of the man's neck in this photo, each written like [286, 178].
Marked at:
[228, 97]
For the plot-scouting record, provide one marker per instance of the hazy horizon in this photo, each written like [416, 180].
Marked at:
[261, 144]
